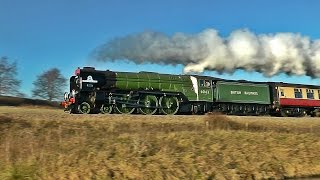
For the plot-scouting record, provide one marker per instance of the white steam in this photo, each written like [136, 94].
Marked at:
[269, 54]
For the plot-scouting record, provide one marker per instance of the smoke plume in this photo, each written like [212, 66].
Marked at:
[269, 54]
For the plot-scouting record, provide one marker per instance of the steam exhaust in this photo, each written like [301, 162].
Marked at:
[270, 54]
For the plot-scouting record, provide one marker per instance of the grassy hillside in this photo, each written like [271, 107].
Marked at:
[49, 144]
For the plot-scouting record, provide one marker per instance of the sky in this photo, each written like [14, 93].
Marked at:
[40, 35]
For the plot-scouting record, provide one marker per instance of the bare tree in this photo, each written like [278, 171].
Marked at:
[49, 85]
[9, 84]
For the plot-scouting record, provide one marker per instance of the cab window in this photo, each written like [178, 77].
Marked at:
[213, 84]
[207, 83]
[201, 83]
[310, 94]
[297, 93]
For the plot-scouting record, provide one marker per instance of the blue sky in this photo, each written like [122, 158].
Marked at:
[42, 34]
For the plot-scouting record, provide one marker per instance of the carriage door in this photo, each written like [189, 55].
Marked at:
[205, 90]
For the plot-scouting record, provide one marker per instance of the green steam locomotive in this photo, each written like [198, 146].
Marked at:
[96, 91]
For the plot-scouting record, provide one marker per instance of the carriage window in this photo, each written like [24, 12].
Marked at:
[297, 93]
[281, 92]
[201, 83]
[319, 94]
[310, 94]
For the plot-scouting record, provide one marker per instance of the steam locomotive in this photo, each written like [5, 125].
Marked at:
[97, 91]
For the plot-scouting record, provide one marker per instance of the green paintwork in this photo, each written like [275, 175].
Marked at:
[237, 92]
[205, 89]
[155, 81]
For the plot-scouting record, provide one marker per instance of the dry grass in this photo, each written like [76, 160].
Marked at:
[264, 124]
[48, 144]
